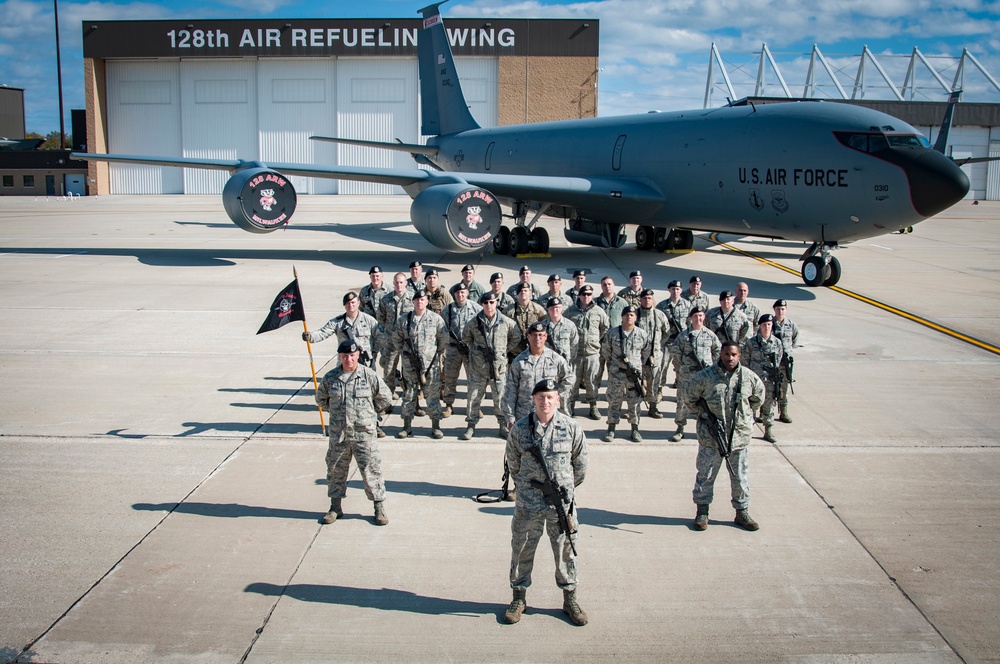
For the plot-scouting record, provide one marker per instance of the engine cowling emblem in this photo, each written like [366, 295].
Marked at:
[259, 200]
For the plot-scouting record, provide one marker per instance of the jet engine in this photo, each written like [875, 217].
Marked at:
[259, 200]
[456, 217]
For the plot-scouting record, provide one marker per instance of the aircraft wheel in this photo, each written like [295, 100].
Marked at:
[835, 272]
[540, 240]
[814, 271]
[685, 240]
[663, 239]
[519, 241]
[501, 241]
[644, 238]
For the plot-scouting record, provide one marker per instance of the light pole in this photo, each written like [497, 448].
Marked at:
[62, 122]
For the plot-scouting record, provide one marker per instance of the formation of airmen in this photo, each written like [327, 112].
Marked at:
[539, 353]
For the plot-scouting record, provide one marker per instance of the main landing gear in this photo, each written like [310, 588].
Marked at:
[819, 267]
[663, 239]
[525, 237]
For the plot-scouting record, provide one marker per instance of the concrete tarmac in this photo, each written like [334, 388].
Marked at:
[164, 476]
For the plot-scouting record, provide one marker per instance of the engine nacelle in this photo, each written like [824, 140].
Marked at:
[259, 200]
[456, 217]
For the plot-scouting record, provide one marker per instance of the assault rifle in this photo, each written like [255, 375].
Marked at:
[789, 368]
[463, 347]
[416, 362]
[555, 496]
[634, 372]
[488, 350]
[718, 432]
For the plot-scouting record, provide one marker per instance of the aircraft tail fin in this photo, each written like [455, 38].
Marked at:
[942, 140]
[442, 103]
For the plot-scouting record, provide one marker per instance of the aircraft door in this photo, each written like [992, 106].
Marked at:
[616, 155]
[74, 184]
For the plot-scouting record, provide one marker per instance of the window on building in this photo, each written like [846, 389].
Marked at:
[8, 181]
[29, 181]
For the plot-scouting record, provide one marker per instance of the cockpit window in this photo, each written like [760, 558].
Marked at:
[877, 141]
[908, 141]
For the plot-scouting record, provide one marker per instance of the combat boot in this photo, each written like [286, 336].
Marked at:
[701, 518]
[636, 436]
[516, 608]
[406, 431]
[334, 512]
[654, 412]
[679, 434]
[744, 520]
[447, 411]
[379, 432]
[380, 518]
[503, 429]
[784, 416]
[769, 435]
[469, 433]
[594, 413]
[572, 609]
[436, 432]
[610, 435]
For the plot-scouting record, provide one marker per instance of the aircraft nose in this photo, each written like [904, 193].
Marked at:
[936, 182]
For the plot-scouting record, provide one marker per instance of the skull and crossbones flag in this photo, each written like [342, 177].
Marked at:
[287, 306]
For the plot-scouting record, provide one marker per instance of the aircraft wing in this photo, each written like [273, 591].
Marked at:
[598, 194]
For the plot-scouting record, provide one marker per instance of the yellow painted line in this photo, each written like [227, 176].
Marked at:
[955, 334]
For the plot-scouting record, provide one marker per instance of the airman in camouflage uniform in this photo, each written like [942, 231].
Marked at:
[415, 281]
[489, 335]
[676, 309]
[563, 337]
[762, 353]
[748, 308]
[504, 300]
[612, 305]
[390, 308]
[695, 348]
[626, 349]
[420, 337]
[555, 291]
[536, 363]
[524, 275]
[524, 312]
[353, 395]
[579, 281]
[694, 295]
[633, 292]
[352, 325]
[592, 324]
[654, 323]
[372, 294]
[732, 393]
[475, 288]
[437, 297]
[726, 321]
[455, 316]
[788, 332]
[561, 447]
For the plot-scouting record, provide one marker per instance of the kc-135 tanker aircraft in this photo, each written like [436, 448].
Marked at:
[822, 173]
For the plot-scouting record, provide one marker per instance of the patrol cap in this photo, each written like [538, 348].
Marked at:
[538, 326]
[696, 310]
[431, 273]
[695, 280]
[554, 277]
[634, 273]
[523, 286]
[487, 297]
[468, 268]
[375, 269]
[579, 273]
[630, 310]
[586, 289]
[780, 303]
[459, 286]
[350, 295]
[724, 294]
[765, 318]
[420, 292]
[646, 291]
[547, 385]
[347, 346]
[524, 268]
[674, 284]
[416, 264]
[553, 302]
[496, 276]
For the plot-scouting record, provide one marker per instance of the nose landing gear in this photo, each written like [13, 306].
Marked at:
[819, 267]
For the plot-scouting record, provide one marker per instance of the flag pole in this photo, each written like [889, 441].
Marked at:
[312, 364]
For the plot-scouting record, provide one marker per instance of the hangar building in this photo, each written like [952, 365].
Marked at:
[258, 89]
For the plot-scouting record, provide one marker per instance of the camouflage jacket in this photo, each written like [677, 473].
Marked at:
[733, 326]
[735, 410]
[654, 323]
[749, 310]
[613, 308]
[393, 306]
[363, 331]
[633, 297]
[525, 372]
[482, 335]
[762, 356]
[788, 332]
[677, 315]
[370, 298]
[353, 402]
[563, 338]
[695, 349]
[700, 299]
[438, 300]
[562, 446]
[455, 319]
[535, 293]
[592, 324]
[619, 345]
[427, 337]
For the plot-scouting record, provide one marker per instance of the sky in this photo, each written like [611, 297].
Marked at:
[654, 54]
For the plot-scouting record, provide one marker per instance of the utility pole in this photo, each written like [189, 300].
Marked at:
[62, 122]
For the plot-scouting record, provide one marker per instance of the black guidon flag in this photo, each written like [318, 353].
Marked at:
[285, 308]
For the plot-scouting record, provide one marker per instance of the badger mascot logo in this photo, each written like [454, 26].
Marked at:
[267, 199]
[473, 218]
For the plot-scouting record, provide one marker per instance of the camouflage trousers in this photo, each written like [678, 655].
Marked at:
[388, 360]
[621, 388]
[651, 376]
[525, 530]
[681, 413]
[783, 393]
[453, 363]
[709, 463]
[587, 378]
[770, 403]
[412, 389]
[477, 390]
[338, 464]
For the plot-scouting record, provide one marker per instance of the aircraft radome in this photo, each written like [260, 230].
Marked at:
[822, 173]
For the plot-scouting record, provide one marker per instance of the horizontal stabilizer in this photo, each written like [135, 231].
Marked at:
[412, 148]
